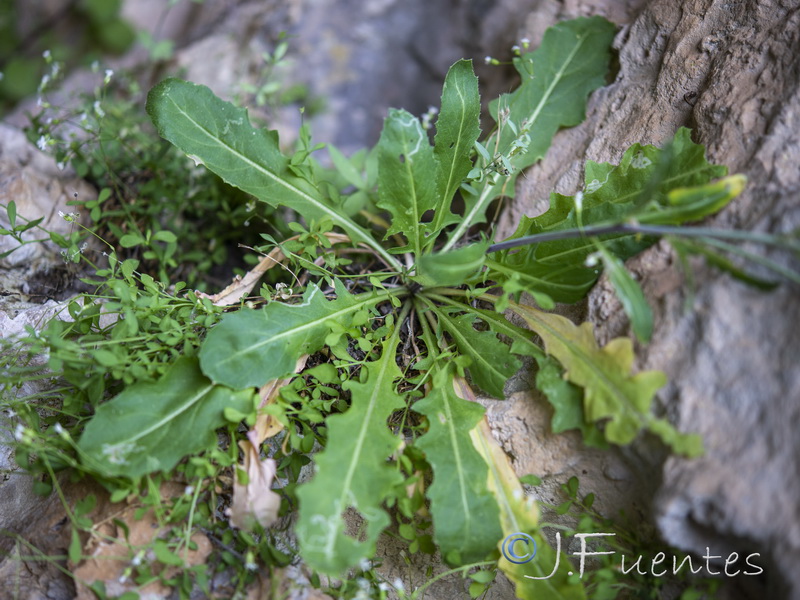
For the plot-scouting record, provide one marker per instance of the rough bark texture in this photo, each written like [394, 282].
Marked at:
[730, 72]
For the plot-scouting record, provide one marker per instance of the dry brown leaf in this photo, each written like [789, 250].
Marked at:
[254, 502]
[242, 286]
[268, 426]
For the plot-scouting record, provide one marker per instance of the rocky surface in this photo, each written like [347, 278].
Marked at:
[728, 71]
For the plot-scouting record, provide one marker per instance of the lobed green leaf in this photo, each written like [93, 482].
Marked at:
[353, 472]
[457, 130]
[557, 78]
[406, 171]
[648, 182]
[465, 513]
[491, 361]
[610, 390]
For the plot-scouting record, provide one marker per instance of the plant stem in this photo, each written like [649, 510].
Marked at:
[469, 217]
[461, 569]
[632, 228]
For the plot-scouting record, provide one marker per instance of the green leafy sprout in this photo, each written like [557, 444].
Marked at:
[390, 305]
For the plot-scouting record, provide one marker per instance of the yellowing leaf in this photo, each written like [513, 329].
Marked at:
[611, 391]
[519, 514]
[266, 425]
[241, 286]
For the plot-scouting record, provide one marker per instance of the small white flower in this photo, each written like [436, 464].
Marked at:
[41, 143]
[60, 166]
[188, 490]
[383, 586]
[137, 560]
[58, 428]
[283, 291]
[487, 59]
[592, 260]
[98, 110]
[46, 54]
[525, 42]
[515, 49]
[11, 413]
[20, 432]
[109, 73]
[428, 117]
[364, 565]
[398, 584]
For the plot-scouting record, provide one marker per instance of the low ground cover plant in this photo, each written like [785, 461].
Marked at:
[385, 306]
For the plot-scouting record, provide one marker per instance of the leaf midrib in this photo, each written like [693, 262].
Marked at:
[343, 222]
[455, 332]
[440, 213]
[170, 416]
[362, 435]
[307, 325]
